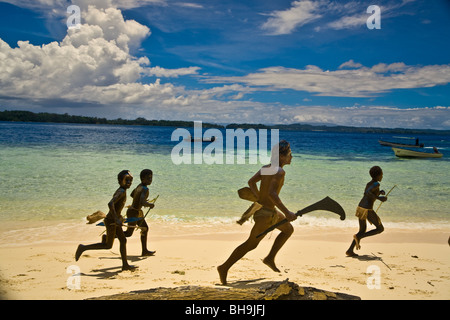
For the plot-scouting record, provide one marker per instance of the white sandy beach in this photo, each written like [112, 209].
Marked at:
[412, 264]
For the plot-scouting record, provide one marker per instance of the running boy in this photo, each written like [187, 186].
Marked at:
[365, 211]
[113, 222]
[140, 196]
[265, 217]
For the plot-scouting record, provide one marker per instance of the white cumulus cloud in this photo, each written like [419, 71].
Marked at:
[286, 21]
[92, 64]
[351, 80]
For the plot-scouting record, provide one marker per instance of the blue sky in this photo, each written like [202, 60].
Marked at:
[230, 61]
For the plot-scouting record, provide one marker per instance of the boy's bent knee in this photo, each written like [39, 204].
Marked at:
[128, 233]
[288, 230]
[108, 245]
[250, 245]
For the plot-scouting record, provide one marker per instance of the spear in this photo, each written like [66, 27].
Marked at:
[386, 197]
[152, 201]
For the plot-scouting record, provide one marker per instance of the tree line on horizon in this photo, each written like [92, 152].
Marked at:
[28, 116]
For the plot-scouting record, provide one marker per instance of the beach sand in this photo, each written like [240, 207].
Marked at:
[38, 262]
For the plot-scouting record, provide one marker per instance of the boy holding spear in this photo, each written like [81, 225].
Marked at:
[365, 211]
[140, 195]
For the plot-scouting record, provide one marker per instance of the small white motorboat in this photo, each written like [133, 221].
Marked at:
[405, 153]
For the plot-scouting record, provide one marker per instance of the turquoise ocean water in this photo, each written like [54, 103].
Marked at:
[63, 172]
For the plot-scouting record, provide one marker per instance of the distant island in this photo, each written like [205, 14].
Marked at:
[28, 116]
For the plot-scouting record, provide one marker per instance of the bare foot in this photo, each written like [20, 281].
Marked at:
[271, 264]
[129, 268]
[350, 253]
[222, 274]
[148, 253]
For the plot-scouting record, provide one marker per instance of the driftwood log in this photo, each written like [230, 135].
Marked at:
[273, 290]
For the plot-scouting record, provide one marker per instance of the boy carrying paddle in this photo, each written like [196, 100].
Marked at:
[267, 215]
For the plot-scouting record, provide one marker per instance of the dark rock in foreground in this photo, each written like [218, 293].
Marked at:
[273, 290]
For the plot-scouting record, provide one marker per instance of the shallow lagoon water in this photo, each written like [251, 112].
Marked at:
[67, 171]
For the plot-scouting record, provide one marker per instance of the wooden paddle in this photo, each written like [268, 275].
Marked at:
[132, 219]
[326, 204]
[102, 224]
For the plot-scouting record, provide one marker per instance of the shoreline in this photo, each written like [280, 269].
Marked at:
[24, 233]
[412, 264]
